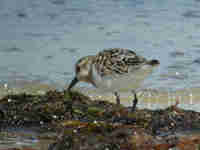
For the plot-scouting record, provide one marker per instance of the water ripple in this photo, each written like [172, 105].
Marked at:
[192, 14]
[196, 61]
[12, 50]
[177, 54]
[58, 2]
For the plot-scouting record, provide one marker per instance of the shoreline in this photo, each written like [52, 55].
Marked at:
[148, 98]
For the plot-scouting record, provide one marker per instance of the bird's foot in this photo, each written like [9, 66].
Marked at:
[117, 98]
[135, 101]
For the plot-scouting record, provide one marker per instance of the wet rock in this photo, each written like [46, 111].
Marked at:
[42, 110]
[81, 123]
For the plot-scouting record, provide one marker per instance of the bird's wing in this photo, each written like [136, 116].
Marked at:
[117, 61]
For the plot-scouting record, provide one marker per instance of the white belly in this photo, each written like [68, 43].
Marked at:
[122, 83]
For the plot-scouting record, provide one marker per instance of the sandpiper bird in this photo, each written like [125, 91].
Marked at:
[114, 70]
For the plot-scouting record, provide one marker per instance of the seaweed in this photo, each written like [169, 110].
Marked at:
[82, 123]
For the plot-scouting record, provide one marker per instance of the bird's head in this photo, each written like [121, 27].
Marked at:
[83, 70]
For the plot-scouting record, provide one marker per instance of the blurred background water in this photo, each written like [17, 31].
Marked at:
[41, 40]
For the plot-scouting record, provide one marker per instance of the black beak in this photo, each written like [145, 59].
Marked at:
[73, 82]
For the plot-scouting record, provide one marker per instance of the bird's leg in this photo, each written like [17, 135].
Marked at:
[135, 101]
[117, 98]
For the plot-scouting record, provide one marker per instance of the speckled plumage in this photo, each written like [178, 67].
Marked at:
[117, 61]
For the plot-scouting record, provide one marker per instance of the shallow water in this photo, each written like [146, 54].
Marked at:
[42, 40]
